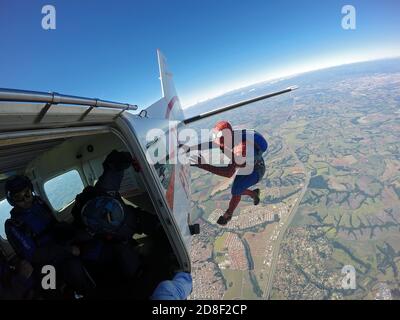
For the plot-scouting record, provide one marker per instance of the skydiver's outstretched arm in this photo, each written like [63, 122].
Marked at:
[208, 145]
[114, 166]
[226, 172]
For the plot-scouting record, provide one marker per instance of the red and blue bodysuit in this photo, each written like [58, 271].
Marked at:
[242, 182]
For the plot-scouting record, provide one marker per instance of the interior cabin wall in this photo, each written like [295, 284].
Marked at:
[85, 155]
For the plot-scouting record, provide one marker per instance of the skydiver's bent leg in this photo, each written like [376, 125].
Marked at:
[241, 184]
[233, 205]
[240, 187]
[223, 220]
[252, 194]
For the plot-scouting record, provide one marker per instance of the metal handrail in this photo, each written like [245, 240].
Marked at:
[14, 95]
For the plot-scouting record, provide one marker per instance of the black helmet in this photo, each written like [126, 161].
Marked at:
[103, 214]
[16, 184]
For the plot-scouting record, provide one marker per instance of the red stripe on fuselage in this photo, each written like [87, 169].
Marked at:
[170, 191]
[171, 185]
[170, 106]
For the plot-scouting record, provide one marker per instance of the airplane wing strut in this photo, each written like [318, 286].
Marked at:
[237, 105]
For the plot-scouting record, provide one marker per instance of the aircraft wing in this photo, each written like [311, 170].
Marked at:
[237, 105]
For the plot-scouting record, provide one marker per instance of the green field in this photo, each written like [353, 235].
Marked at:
[234, 281]
[219, 243]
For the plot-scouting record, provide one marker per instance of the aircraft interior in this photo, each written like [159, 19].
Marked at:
[59, 170]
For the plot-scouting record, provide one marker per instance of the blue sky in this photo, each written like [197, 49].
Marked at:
[107, 49]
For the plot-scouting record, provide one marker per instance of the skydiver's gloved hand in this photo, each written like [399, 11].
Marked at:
[117, 161]
[114, 166]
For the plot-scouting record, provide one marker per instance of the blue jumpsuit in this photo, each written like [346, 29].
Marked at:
[243, 182]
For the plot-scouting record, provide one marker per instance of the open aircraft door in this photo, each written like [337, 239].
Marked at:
[153, 137]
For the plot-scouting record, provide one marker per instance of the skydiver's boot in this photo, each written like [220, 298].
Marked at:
[254, 194]
[223, 220]
[256, 199]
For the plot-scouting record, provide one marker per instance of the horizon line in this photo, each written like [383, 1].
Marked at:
[290, 75]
